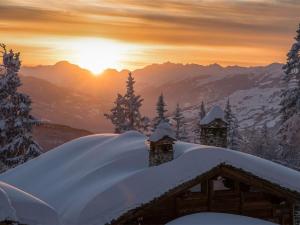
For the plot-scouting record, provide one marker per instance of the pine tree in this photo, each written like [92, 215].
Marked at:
[290, 105]
[202, 111]
[197, 129]
[232, 127]
[290, 96]
[259, 142]
[16, 122]
[160, 110]
[135, 121]
[117, 115]
[126, 114]
[184, 135]
[181, 133]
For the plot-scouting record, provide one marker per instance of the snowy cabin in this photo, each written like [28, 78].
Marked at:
[106, 179]
[214, 128]
[161, 144]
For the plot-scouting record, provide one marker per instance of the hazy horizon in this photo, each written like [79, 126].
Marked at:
[142, 67]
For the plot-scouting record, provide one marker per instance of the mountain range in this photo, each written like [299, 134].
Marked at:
[66, 94]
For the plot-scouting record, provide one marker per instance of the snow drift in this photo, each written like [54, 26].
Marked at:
[95, 179]
[217, 219]
[16, 205]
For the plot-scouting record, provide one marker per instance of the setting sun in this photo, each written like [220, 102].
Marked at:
[95, 54]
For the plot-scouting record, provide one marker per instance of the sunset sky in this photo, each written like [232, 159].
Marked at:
[130, 34]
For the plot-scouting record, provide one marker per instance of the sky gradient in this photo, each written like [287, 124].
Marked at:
[132, 33]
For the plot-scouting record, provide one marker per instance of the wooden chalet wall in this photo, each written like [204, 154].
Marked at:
[243, 194]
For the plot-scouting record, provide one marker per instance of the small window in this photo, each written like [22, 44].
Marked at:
[222, 184]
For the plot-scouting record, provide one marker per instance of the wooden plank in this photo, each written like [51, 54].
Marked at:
[210, 194]
[242, 199]
[204, 187]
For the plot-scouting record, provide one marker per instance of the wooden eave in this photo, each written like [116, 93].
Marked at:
[224, 169]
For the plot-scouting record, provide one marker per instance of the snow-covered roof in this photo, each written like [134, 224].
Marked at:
[215, 113]
[95, 179]
[217, 219]
[162, 130]
[7, 211]
[17, 205]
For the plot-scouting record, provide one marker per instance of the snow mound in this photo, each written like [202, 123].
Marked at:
[95, 179]
[7, 212]
[163, 129]
[16, 205]
[217, 219]
[215, 113]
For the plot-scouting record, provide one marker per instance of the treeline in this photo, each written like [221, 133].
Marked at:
[125, 116]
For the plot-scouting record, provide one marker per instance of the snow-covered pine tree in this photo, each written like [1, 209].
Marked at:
[265, 141]
[232, 128]
[290, 96]
[184, 135]
[180, 131]
[117, 114]
[202, 111]
[125, 115]
[133, 103]
[259, 142]
[16, 122]
[290, 106]
[197, 129]
[160, 110]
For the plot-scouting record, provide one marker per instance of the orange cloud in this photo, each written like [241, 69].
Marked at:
[184, 26]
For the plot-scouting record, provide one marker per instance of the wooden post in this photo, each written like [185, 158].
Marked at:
[204, 187]
[175, 207]
[236, 186]
[210, 194]
[242, 199]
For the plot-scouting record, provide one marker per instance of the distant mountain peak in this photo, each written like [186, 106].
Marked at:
[215, 66]
[67, 65]
[63, 63]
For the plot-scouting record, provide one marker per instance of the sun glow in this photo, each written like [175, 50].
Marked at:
[97, 55]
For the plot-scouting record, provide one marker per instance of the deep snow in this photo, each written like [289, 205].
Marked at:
[16, 205]
[95, 179]
[163, 129]
[217, 219]
[215, 113]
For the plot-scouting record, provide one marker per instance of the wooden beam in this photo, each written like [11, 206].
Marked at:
[236, 186]
[204, 187]
[210, 194]
[259, 183]
[175, 207]
[242, 199]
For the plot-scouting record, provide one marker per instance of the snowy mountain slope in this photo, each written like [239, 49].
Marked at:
[62, 73]
[98, 178]
[17, 205]
[50, 135]
[65, 106]
[255, 98]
